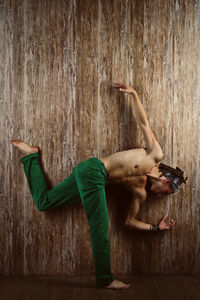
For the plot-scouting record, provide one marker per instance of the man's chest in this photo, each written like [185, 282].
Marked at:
[135, 182]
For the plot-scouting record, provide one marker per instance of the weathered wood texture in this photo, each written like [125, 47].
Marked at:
[76, 288]
[58, 62]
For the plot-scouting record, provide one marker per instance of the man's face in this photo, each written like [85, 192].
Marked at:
[162, 187]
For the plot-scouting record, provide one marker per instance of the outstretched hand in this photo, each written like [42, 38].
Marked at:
[124, 88]
[164, 226]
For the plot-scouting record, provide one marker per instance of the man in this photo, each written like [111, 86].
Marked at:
[135, 167]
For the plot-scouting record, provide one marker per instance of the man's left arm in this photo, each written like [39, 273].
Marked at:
[152, 146]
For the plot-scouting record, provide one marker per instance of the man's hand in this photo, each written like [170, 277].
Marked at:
[164, 226]
[124, 88]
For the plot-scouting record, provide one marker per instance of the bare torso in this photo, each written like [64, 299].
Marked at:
[129, 167]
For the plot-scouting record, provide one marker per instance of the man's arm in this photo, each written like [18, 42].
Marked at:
[152, 146]
[135, 224]
[131, 221]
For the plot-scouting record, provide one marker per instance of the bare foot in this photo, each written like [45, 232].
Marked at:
[23, 147]
[117, 285]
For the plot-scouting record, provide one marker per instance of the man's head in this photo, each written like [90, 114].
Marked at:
[169, 182]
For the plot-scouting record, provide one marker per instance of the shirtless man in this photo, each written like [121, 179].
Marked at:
[87, 183]
[134, 167]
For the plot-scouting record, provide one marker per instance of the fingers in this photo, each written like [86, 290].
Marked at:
[164, 218]
[168, 226]
[171, 224]
[119, 85]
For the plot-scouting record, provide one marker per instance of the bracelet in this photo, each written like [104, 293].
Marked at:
[155, 228]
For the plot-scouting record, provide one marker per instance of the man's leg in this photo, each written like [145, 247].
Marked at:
[90, 177]
[90, 181]
[65, 193]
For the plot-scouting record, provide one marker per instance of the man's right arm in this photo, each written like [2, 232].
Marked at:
[136, 224]
[131, 221]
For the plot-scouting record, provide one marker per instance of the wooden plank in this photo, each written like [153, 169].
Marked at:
[59, 61]
[77, 288]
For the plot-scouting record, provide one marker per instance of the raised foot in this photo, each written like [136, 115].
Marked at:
[117, 285]
[23, 147]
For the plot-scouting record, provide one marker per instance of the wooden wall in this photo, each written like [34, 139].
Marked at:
[58, 62]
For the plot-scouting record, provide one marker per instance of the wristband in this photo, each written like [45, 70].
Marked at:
[155, 228]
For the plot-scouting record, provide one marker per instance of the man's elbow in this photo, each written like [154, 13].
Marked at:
[129, 222]
[159, 156]
[157, 152]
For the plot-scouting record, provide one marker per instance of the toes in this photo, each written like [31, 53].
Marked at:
[120, 287]
[14, 141]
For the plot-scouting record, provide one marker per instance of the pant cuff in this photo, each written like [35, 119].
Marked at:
[104, 282]
[29, 156]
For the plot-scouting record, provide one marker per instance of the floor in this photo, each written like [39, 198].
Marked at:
[75, 288]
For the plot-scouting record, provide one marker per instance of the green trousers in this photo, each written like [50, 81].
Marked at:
[86, 184]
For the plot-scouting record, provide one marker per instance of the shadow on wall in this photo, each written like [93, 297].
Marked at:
[119, 200]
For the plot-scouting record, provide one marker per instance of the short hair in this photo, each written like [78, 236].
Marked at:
[174, 175]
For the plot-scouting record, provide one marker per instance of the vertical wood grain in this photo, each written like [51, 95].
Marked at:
[58, 62]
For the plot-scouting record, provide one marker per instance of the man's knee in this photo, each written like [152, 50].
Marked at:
[41, 207]
[41, 204]
[41, 201]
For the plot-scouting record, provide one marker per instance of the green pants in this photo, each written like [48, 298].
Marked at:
[86, 184]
